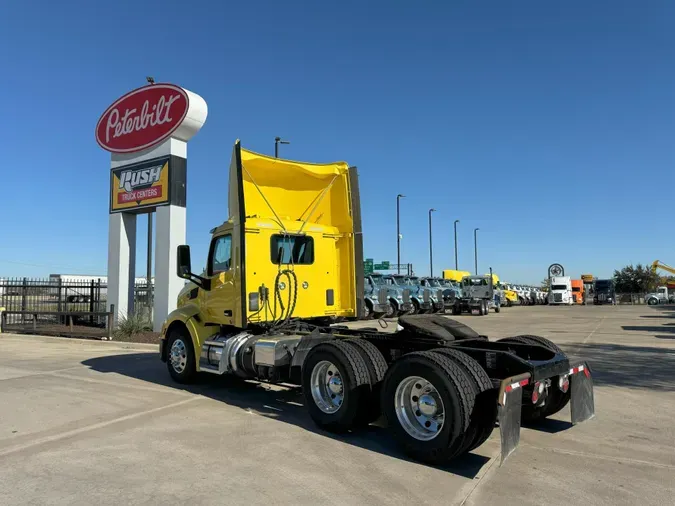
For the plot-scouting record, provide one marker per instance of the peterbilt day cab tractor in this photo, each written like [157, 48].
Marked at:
[478, 296]
[376, 299]
[421, 298]
[384, 299]
[438, 292]
[287, 260]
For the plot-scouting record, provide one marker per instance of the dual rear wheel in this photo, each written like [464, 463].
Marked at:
[437, 403]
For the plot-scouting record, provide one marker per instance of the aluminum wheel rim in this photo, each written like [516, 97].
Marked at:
[327, 387]
[178, 356]
[419, 408]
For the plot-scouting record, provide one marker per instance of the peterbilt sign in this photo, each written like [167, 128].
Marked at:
[142, 118]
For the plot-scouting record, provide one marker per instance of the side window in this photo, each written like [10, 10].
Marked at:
[221, 255]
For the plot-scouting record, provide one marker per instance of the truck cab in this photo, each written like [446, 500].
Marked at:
[663, 295]
[604, 292]
[375, 297]
[437, 293]
[578, 291]
[287, 250]
[384, 289]
[420, 297]
[561, 291]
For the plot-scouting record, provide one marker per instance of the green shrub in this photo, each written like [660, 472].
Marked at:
[130, 325]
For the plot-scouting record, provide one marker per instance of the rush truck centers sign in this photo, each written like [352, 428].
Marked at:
[142, 118]
[140, 186]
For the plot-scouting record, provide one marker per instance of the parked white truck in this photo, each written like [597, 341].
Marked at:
[663, 295]
[561, 290]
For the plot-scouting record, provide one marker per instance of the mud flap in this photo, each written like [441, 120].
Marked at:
[582, 404]
[509, 410]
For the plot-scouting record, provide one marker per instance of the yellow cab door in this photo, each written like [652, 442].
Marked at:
[219, 302]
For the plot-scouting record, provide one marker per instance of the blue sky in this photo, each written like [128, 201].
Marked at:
[549, 125]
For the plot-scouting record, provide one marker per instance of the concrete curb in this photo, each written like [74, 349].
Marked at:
[90, 342]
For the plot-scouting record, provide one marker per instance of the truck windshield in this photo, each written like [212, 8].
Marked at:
[433, 283]
[576, 289]
[559, 287]
[603, 285]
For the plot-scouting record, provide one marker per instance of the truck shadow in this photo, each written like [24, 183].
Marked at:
[631, 366]
[282, 404]
[548, 425]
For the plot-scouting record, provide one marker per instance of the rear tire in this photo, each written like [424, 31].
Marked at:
[484, 414]
[451, 391]
[377, 367]
[335, 404]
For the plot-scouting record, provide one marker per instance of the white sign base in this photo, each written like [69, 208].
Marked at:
[121, 263]
[170, 226]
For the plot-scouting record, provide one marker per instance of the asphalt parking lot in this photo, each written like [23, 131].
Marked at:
[99, 422]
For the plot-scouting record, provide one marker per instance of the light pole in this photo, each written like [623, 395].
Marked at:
[277, 141]
[475, 248]
[456, 264]
[398, 233]
[431, 248]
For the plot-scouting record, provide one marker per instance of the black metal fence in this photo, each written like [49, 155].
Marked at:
[62, 307]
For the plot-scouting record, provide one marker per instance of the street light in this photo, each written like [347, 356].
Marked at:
[475, 248]
[398, 232]
[431, 248]
[456, 264]
[277, 141]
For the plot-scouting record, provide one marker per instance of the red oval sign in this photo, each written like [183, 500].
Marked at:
[142, 118]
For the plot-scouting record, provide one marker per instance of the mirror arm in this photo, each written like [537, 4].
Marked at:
[203, 283]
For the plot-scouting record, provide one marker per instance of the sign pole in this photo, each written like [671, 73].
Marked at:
[149, 263]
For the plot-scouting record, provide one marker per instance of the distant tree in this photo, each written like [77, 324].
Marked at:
[636, 279]
[545, 284]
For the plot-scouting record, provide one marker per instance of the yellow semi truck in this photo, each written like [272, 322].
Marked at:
[286, 262]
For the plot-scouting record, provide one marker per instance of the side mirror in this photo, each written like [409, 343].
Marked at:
[183, 264]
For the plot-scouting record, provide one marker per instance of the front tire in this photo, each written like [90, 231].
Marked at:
[415, 307]
[368, 310]
[181, 356]
[393, 309]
